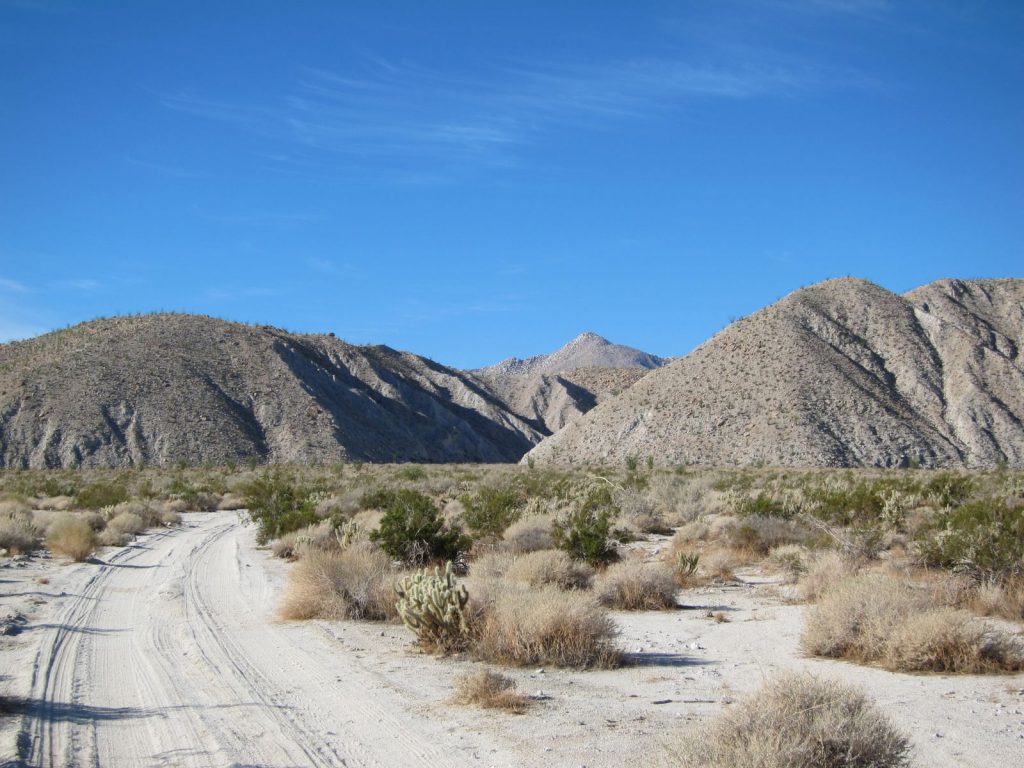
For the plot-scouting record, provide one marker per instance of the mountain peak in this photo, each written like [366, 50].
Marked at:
[588, 350]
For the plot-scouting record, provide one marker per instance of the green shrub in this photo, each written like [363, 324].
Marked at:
[762, 505]
[412, 529]
[101, 494]
[491, 511]
[984, 538]
[278, 505]
[413, 473]
[585, 533]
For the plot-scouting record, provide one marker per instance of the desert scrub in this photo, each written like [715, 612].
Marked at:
[585, 533]
[412, 529]
[637, 586]
[529, 534]
[17, 533]
[798, 721]
[523, 626]
[984, 538]
[278, 504]
[489, 511]
[878, 618]
[549, 566]
[491, 690]
[71, 535]
[101, 494]
[355, 583]
[434, 606]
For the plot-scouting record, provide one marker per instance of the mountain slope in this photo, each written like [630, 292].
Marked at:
[588, 350]
[837, 374]
[163, 388]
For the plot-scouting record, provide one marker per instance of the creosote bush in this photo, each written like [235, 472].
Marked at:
[277, 504]
[798, 721]
[412, 529]
[491, 690]
[585, 533]
[489, 511]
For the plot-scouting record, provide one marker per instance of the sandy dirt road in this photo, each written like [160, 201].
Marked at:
[170, 655]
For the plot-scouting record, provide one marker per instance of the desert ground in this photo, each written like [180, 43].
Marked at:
[169, 651]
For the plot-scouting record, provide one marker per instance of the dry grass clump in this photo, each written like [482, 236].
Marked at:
[760, 535]
[127, 522]
[54, 503]
[798, 721]
[639, 515]
[878, 618]
[231, 501]
[354, 583]
[823, 573]
[491, 565]
[71, 535]
[633, 585]
[550, 566]
[521, 626]
[950, 640]
[17, 533]
[490, 690]
[1001, 598]
[529, 534]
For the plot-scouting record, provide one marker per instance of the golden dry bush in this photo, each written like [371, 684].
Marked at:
[879, 618]
[633, 585]
[354, 583]
[72, 536]
[17, 533]
[491, 690]
[550, 566]
[823, 572]
[798, 721]
[529, 534]
[951, 640]
[521, 626]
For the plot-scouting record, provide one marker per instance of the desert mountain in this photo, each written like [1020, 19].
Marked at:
[162, 388]
[552, 390]
[841, 373]
[549, 401]
[588, 350]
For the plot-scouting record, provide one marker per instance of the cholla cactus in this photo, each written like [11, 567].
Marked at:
[434, 607]
[346, 533]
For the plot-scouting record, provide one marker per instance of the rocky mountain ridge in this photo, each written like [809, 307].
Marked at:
[842, 373]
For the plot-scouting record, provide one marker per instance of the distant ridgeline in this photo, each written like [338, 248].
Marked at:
[842, 373]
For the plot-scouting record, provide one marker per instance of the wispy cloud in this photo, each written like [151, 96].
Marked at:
[165, 169]
[327, 266]
[13, 285]
[400, 110]
[80, 284]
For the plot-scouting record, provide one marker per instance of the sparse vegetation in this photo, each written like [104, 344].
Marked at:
[636, 586]
[72, 536]
[798, 721]
[491, 690]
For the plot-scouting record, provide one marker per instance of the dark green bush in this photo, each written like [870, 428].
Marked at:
[984, 538]
[585, 533]
[412, 529]
[762, 505]
[413, 472]
[491, 510]
[278, 504]
[101, 494]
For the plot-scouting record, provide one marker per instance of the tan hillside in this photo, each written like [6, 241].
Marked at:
[159, 389]
[841, 373]
[550, 401]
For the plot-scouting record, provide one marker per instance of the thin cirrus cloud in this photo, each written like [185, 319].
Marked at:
[397, 111]
[14, 286]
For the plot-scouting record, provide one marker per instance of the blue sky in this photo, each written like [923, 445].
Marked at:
[474, 180]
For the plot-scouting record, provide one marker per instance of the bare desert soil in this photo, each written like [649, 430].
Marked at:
[168, 653]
